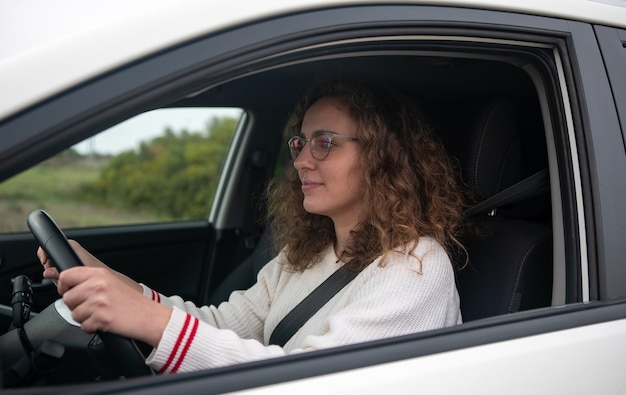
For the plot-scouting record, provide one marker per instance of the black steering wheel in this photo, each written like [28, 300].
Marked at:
[119, 355]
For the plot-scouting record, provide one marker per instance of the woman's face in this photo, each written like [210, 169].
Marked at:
[334, 186]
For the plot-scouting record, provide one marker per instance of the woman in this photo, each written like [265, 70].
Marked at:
[369, 188]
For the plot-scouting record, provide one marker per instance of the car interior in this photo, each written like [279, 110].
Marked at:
[487, 111]
[493, 127]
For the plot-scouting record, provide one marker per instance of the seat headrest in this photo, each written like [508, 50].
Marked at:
[484, 135]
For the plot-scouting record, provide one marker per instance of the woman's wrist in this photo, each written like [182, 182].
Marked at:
[160, 317]
[128, 281]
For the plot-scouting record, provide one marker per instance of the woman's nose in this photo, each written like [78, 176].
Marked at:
[304, 159]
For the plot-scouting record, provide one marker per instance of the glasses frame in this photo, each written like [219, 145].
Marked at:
[313, 150]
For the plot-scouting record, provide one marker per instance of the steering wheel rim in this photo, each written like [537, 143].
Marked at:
[122, 353]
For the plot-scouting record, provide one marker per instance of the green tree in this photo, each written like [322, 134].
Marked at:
[174, 175]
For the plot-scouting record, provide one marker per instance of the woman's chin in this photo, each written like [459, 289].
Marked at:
[312, 208]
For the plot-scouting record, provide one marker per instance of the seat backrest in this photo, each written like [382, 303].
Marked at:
[510, 259]
[484, 136]
[245, 274]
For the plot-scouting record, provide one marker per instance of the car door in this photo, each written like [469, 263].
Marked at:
[576, 343]
[551, 346]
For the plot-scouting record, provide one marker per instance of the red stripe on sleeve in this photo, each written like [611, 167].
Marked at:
[192, 335]
[179, 340]
[156, 297]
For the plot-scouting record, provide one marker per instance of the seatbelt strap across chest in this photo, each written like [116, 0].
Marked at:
[300, 314]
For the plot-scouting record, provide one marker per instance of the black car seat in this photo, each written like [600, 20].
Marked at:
[244, 275]
[510, 254]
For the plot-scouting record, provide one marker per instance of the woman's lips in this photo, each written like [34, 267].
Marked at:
[309, 185]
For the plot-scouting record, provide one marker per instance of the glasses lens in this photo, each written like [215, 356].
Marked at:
[295, 144]
[320, 146]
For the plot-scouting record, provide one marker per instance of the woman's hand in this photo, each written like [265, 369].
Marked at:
[101, 301]
[51, 273]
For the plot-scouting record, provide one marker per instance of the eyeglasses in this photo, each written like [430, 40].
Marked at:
[320, 144]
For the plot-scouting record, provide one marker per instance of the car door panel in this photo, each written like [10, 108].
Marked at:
[171, 258]
[486, 356]
[550, 363]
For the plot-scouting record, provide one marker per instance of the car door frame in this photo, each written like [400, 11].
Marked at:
[601, 158]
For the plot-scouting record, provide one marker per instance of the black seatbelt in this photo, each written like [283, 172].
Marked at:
[300, 314]
[529, 187]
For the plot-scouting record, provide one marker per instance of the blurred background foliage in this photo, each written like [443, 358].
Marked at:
[170, 177]
[173, 176]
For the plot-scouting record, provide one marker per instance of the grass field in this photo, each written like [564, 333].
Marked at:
[54, 188]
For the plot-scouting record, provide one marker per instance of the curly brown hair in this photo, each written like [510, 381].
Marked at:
[412, 188]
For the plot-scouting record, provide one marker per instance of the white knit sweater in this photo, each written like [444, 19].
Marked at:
[405, 296]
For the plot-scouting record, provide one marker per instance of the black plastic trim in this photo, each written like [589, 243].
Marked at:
[601, 145]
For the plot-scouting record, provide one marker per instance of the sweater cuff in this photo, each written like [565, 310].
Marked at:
[151, 294]
[177, 338]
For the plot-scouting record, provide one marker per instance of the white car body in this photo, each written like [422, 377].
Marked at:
[554, 363]
[46, 69]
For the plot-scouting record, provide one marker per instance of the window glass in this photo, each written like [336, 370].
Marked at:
[161, 165]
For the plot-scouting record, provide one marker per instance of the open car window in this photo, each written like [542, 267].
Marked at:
[159, 166]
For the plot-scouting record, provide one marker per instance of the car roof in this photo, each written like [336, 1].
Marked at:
[87, 43]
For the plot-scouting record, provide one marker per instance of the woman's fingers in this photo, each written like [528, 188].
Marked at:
[92, 294]
[50, 272]
[43, 258]
[86, 258]
[100, 300]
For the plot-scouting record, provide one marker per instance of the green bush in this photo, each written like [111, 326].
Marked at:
[173, 176]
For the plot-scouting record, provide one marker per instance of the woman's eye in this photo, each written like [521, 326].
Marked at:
[323, 142]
